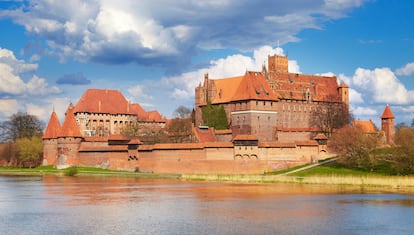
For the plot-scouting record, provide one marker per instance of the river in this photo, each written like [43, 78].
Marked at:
[112, 205]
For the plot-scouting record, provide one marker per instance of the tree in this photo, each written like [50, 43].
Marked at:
[403, 157]
[182, 112]
[179, 130]
[215, 116]
[329, 117]
[354, 147]
[21, 125]
[29, 150]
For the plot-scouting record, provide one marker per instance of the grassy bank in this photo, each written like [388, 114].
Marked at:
[80, 171]
[376, 181]
[329, 174]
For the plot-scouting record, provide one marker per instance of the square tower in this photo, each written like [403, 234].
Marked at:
[278, 64]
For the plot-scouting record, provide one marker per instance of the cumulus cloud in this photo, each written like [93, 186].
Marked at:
[183, 85]
[382, 85]
[8, 107]
[406, 70]
[138, 91]
[364, 111]
[11, 82]
[141, 31]
[73, 79]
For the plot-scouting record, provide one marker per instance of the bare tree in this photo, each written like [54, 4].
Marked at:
[182, 112]
[21, 125]
[354, 146]
[330, 116]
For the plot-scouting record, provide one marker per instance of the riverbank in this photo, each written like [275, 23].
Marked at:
[392, 182]
[81, 171]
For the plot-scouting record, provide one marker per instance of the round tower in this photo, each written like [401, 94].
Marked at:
[50, 137]
[388, 125]
[68, 142]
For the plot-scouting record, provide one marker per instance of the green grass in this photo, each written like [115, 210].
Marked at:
[285, 170]
[81, 171]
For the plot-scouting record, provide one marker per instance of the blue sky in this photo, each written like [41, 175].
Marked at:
[52, 51]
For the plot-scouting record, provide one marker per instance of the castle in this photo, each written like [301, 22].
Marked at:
[273, 104]
[269, 113]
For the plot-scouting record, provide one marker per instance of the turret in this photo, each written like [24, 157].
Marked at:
[50, 137]
[343, 91]
[387, 124]
[69, 140]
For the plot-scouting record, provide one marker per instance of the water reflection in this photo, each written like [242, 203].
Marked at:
[111, 205]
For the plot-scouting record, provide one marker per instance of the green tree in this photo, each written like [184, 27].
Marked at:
[29, 150]
[215, 116]
[21, 125]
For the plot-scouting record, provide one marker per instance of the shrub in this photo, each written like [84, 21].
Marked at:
[71, 171]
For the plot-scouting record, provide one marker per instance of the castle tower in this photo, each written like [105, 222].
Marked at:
[387, 124]
[69, 140]
[343, 90]
[278, 64]
[50, 140]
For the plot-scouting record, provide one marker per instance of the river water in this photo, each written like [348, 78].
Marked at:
[111, 205]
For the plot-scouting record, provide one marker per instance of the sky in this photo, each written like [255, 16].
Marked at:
[157, 51]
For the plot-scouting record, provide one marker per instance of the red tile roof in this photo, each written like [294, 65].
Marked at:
[103, 101]
[53, 127]
[367, 126]
[245, 137]
[254, 86]
[205, 135]
[226, 89]
[295, 86]
[320, 136]
[387, 114]
[69, 127]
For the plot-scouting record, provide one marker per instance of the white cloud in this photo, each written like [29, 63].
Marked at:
[17, 66]
[138, 91]
[364, 111]
[39, 86]
[183, 85]
[126, 30]
[407, 70]
[11, 83]
[355, 97]
[382, 86]
[8, 107]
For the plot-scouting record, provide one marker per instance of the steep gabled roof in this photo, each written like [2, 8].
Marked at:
[254, 86]
[387, 114]
[155, 116]
[295, 86]
[53, 127]
[367, 126]
[205, 135]
[226, 89]
[69, 127]
[103, 101]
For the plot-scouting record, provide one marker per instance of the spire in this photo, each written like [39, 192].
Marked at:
[387, 114]
[53, 127]
[69, 127]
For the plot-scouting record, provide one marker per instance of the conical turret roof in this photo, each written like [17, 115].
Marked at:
[69, 127]
[387, 114]
[53, 127]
